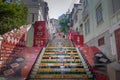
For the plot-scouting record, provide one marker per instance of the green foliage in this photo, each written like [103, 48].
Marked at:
[64, 27]
[12, 16]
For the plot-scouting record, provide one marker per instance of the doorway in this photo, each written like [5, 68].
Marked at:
[117, 38]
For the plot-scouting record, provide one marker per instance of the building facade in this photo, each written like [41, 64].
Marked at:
[76, 18]
[101, 22]
[54, 27]
[38, 10]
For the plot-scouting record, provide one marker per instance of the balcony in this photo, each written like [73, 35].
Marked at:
[115, 17]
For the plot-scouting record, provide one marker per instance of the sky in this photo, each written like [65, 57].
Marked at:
[59, 7]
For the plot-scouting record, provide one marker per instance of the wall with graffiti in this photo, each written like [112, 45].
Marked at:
[11, 44]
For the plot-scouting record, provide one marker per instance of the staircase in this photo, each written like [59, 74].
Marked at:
[60, 62]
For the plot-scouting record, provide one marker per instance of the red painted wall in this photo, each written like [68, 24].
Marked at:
[77, 38]
[11, 45]
[40, 34]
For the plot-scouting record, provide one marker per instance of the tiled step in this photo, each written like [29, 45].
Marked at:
[61, 65]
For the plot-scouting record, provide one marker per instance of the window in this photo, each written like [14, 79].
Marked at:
[81, 29]
[77, 30]
[101, 41]
[85, 3]
[81, 1]
[87, 27]
[34, 0]
[33, 17]
[116, 5]
[99, 14]
[76, 18]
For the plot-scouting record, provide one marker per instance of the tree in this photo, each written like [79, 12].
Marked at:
[64, 26]
[12, 16]
[64, 23]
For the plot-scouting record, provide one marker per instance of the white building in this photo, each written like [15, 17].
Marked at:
[38, 10]
[54, 26]
[102, 26]
[76, 16]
